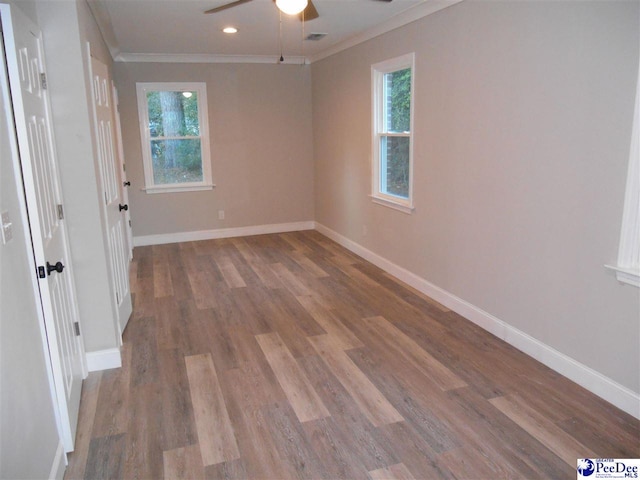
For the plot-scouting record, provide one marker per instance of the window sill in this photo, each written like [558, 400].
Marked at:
[391, 204]
[177, 189]
[626, 275]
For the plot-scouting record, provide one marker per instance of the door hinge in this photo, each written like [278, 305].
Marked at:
[76, 328]
[42, 272]
[60, 212]
[43, 80]
[129, 223]
[117, 298]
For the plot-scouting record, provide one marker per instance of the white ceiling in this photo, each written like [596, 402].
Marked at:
[178, 30]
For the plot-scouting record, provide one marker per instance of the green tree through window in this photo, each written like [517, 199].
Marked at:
[396, 149]
[173, 117]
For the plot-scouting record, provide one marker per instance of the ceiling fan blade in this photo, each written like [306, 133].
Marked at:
[310, 12]
[228, 5]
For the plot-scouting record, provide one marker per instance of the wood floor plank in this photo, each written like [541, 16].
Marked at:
[308, 264]
[144, 298]
[546, 432]
[162, 284]
[294, 241]
[292, 444]
[259, 454]
[230, 272]
[364, 393]
[183, 463]
[401, 386]
[266, 275]
[171, 333]
[215, 432]
[393, 472]
[409, 448]
[411, 352]
[289, 280]
[486, 430]
[106, 455]
[331, 325]
[282, 321]
[467, 462]
[143, 454]
[112, 409]
[86, 417]
[178, 424]
[234, 470]
[133, 276]
[202, 292]
[144, 360]
[303, 398]
[348, 428]
[340, 460]
[256, 383]
[245, 345]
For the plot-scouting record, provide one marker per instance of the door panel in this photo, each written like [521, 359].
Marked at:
[26, 69]
[123, 173]
[112, 189]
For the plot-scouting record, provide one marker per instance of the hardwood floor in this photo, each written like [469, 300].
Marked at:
[286, 356]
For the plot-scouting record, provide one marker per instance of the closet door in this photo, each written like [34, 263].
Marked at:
[27, 77]
[115, 208]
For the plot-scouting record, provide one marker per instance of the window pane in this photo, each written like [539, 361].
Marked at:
[173, 114]
[394, 171]
[176, 161]
[397, 98]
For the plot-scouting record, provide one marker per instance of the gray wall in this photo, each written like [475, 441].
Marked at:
[261, 147]
[28, 433]
[523, 116]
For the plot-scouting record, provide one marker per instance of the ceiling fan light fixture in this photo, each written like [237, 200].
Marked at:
[292, 7]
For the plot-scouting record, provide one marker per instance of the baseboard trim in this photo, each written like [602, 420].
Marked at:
[104, 359]
[59, 464]
[595, 382]
[160, 239]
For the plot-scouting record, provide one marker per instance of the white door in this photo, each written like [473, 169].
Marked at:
[123, 173]
[26, 68]
[112, 189]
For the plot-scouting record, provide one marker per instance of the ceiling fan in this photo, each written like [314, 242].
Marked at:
[308, 13]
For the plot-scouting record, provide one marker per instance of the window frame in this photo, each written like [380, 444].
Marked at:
[378, 72]
[142, 88]
[627, 268]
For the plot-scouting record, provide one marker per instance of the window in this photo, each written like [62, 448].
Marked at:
[392, 84]
[174, 132]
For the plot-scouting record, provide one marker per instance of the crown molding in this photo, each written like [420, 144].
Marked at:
[103, 20]
[410, 15]
[207, 58]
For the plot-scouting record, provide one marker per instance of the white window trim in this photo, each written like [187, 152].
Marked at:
[628, 266]
[145, 135]
[378, 71]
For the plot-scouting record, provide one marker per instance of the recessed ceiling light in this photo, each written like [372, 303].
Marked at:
[230, 30]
